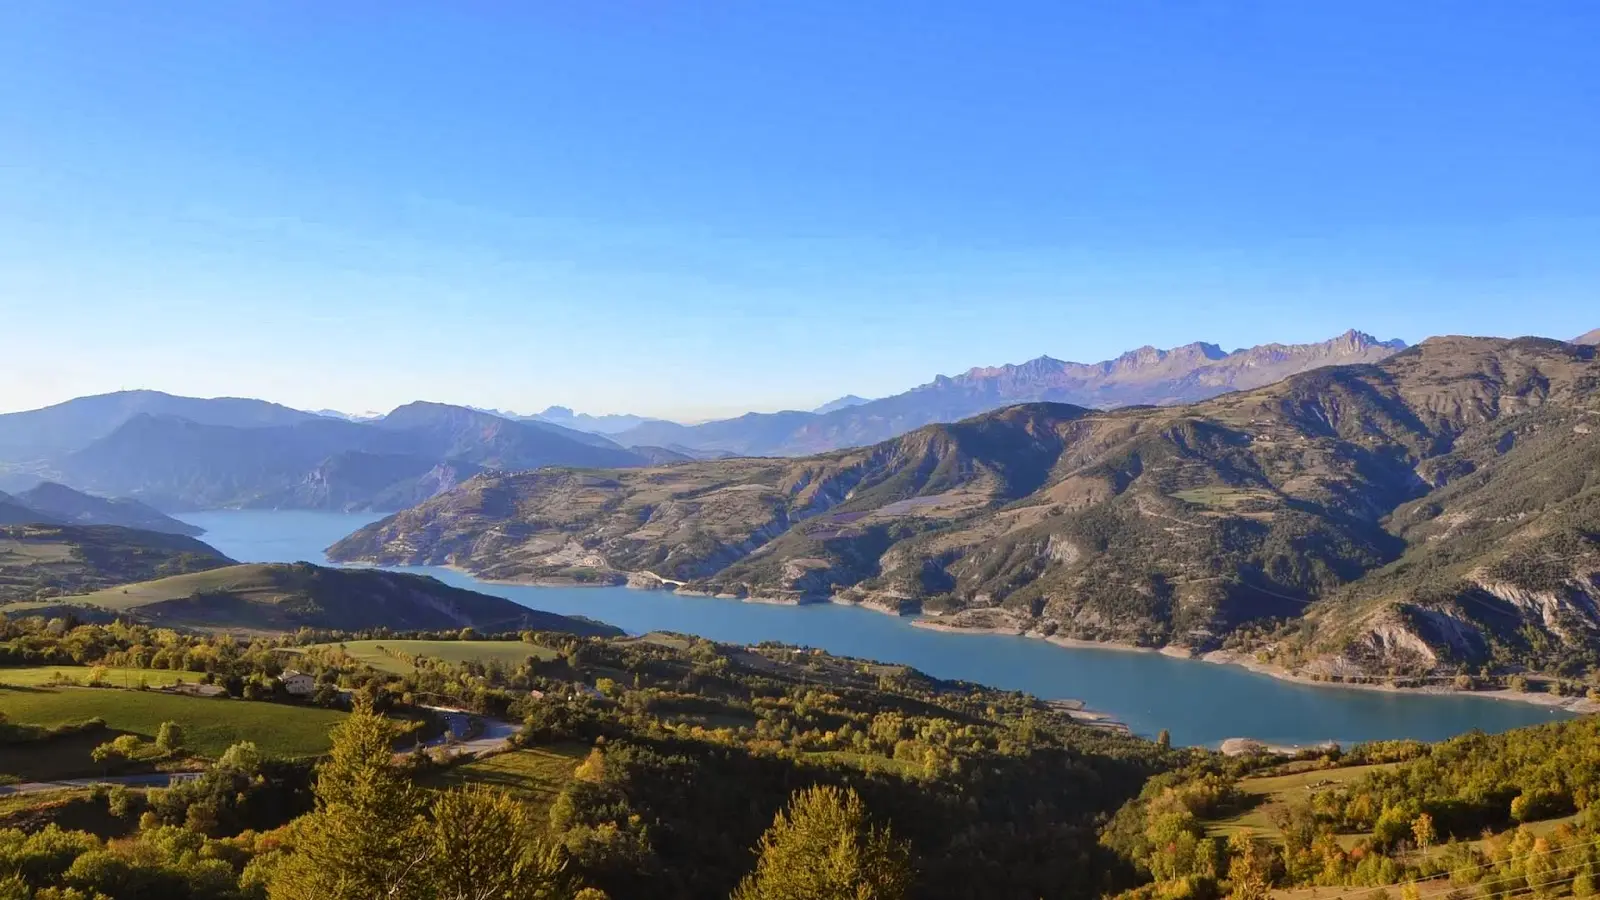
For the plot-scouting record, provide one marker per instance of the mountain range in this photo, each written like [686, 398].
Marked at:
[1147, 375]
[66, 427]
[180, 453]
[608, 424]
[1434, 510]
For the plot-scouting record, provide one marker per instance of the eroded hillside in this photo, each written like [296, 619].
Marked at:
[1379, 501]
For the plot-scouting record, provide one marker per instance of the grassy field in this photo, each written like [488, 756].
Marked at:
[73, 810]
[1278, 791]
[246, 580]
[376, 653]
[535, 775]
[209, 725]
[34, 676]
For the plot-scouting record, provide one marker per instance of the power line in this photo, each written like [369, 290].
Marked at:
[1451, 875]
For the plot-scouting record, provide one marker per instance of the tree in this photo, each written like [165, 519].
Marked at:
[1583, 884]
[1422, 831]
[169, 739]
[242, 757]
[822, 848]
[123, 747]
[1250, 869]
[364, 839]
[485, 846]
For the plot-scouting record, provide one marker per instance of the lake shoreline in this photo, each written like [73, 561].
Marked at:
[1148, 697]
[1576, 705]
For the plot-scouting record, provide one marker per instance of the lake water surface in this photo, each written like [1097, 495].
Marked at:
[1199, 703]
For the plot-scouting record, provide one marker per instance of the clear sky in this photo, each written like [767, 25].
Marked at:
[694, 208]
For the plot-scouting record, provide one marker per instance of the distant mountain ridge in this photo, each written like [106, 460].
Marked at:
[59, 503]
[845, 402]
[607, 424]
[312, 462]
[1590, 339]
[1147, 375]
[15, 512]
[77, 423]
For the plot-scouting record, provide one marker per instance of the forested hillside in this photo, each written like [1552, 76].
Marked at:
[1496, 815]
[658, 765]
[39, 562]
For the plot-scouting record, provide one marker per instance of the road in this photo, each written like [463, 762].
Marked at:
[495, 736]
[151, 779]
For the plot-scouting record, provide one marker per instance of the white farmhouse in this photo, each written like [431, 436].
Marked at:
[298, 683]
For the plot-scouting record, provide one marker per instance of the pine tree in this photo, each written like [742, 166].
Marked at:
[366, 837]
[822, 848]
[484, 845]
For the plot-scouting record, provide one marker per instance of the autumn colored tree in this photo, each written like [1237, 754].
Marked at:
[1422, 831]
[1249, 867]
[823, 848]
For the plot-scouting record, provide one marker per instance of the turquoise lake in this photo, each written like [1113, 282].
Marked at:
[1199, 703]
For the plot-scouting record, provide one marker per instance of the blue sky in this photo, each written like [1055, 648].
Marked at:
[691, 209]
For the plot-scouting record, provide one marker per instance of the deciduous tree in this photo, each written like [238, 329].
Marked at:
[823, 848]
